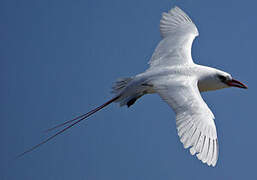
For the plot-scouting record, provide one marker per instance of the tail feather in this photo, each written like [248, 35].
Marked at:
[127, 90]
[126, 93]
[75, 121]
[120, 84]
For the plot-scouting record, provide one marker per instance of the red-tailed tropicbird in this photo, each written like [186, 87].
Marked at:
[178, 80]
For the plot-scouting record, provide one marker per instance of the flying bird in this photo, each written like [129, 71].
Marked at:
[178, 80]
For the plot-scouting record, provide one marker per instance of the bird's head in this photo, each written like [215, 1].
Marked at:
[214, 79]
[227, 80]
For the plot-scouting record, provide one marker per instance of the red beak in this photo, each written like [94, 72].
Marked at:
[235, 83]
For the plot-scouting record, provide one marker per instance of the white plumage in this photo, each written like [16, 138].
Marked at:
[178, 32]
[194, 119]
[178, 80]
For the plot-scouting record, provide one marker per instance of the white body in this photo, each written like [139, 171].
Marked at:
[177, 79]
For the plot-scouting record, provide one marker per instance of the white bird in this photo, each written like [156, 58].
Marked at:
[178, 80]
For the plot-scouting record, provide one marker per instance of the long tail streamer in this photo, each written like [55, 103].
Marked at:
[77, 120]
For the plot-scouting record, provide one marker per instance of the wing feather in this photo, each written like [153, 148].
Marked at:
[178, 32]
[195, 121]
[176, 21]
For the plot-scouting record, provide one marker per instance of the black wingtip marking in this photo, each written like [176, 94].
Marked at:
[131, 102]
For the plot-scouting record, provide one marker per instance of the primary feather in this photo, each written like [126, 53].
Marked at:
[174, 76]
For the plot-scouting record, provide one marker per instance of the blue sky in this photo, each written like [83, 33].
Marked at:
[60, 58]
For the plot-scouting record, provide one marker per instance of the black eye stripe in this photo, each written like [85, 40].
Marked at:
[222, 78]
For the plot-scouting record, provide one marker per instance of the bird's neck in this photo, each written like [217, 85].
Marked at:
[207, 79]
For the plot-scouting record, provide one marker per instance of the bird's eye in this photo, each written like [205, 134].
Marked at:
[222, 78]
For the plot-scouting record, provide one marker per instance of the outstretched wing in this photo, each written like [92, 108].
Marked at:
[178, 32]
[195, 121]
